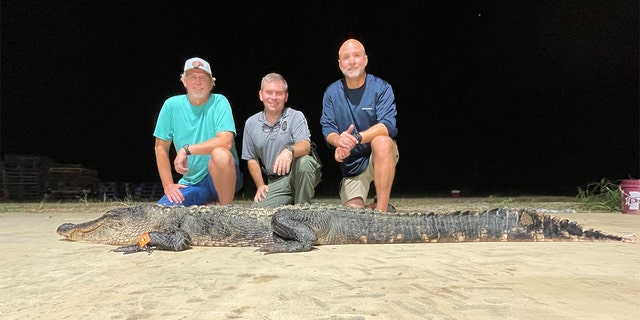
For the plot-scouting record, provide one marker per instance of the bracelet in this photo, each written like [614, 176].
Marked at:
[186, 149]
[290, 148]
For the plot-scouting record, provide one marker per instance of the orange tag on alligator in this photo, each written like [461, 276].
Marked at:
[143, 239]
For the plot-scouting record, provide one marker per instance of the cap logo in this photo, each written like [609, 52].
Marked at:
[197, 64]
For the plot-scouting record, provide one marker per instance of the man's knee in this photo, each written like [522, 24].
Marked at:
[382, 144]
[306, 163]
[220, 157]
[384, 150]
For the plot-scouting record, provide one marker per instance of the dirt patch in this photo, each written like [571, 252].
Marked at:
[44, 277]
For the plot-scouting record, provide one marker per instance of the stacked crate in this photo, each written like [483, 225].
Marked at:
[115, 191]
[148, 191]
[25, 177]
[72, 181]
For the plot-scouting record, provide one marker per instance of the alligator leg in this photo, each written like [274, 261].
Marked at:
[175, 240]
[297, 236]
[133, 249]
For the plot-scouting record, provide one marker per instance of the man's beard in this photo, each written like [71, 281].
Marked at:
[199, 95]
[354, 73]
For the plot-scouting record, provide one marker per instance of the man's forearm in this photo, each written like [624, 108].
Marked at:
[222, 139]
[332, 139]
[164, 170]
[301, 148]
[378, 129]
[164, 166]
[255, 172]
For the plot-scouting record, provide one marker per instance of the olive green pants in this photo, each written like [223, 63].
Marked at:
[296, 187]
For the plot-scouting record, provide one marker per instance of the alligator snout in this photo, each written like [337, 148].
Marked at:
[64, 229]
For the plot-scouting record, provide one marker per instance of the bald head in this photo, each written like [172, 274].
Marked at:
[351, 45]
[352, 61]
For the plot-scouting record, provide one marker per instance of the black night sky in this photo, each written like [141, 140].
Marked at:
[494, 97]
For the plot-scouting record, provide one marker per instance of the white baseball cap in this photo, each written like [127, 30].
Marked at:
[197, 63]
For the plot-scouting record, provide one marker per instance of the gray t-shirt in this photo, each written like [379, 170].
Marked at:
[263, 141]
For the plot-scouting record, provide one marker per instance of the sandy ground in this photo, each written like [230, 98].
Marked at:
[42, 277]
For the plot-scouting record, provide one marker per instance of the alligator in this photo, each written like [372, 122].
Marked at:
[299, 228]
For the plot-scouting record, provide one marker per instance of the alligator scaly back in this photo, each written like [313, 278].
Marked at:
[302, 229]
[299, 228]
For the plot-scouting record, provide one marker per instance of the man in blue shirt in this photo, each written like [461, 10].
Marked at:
[359, 121]
[200, 125]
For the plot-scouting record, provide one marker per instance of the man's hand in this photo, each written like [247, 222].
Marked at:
[180, 163]
[173, 193]
[341, 153]
[282, 165]
[346, 139]
[261, 193]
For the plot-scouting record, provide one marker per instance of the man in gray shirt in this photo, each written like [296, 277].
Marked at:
[277, 142]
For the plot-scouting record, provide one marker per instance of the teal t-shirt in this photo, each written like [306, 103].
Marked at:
[183, 123]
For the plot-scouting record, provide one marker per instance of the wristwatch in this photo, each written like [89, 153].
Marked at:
[358, 137]
[186, 149]
[290, 148]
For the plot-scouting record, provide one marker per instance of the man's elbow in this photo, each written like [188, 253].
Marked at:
[227, 145]
[389, 129]
[225, 140]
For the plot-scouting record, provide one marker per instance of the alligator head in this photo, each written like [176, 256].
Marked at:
[120, 226]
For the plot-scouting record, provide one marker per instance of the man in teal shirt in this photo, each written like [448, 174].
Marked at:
[200, 125]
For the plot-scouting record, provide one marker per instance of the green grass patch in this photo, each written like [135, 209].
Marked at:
[603, 195]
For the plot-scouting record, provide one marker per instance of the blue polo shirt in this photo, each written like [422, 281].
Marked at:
[364, 107]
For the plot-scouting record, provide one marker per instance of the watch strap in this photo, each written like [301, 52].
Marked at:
[358, 137]
[290, 148]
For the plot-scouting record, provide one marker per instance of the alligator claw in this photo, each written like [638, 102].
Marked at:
[272, 248]
[267, 250]
[134, 249]
[285, 247]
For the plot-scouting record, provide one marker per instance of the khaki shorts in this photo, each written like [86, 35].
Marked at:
[358, 186]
